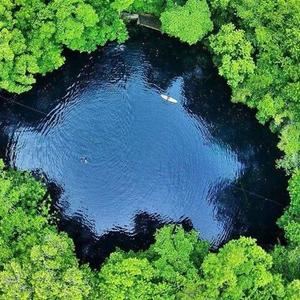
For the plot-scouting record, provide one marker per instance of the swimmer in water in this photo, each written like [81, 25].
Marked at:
[84, 160]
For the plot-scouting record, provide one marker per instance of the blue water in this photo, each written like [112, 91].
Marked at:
[120, 157]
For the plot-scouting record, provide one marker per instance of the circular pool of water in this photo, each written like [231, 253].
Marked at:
[125, 161]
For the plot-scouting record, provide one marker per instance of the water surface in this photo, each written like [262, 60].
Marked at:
[124, 161]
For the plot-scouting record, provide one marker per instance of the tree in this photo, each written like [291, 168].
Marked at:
[36, 262]
[232, 54]
[160, 272]
[290, 220]
[177, 254]
[34, 33]
[293, 290]
[154, 7]
[131, 278]
[256, 48]
[287, 262]
[287, 258]
[50, 272]
[190, 22]
[272, 28]
[240, 270]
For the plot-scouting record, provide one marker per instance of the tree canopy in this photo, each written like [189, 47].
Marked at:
[33, 34]
[232, 53]
[190, 22]
[38, 262]
[255, 45]
[265, 70]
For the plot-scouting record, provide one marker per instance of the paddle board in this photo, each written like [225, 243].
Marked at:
[169, 99]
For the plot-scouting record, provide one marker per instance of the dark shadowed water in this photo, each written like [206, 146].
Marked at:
[122, 161]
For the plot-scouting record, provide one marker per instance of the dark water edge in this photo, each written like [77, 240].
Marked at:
[247, 202]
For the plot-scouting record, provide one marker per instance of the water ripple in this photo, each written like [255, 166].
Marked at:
[124, 157]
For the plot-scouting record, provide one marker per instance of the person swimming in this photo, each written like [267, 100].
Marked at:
[84, 160]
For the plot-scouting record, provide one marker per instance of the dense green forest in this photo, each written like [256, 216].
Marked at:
[256, 47]
[38, 262]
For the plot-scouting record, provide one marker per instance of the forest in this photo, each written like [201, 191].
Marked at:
[255, 45]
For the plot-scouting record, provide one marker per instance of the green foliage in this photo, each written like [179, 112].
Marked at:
[177, 266]
[49, 272]
[241, 270]
[177, 255]
[273, 86]
[33, 34]
[232, 53]
[171, 263]
[36, 262]
[287, 259]
[269, 54]
[154, 7]
[290, 221]
[20, 225]
[256, 48]
[190, 22]
[121, 5]
[290, 144]
[130, 278]
[293, 290]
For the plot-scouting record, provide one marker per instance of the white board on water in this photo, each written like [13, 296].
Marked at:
[168, 98]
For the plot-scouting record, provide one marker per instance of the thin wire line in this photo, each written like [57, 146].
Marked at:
[231, 184]
[23, 105]
[255, 194]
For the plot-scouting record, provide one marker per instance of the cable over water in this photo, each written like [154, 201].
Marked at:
[124, 161]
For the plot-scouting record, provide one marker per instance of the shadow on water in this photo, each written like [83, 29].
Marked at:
[122, 162]
[94, 250]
